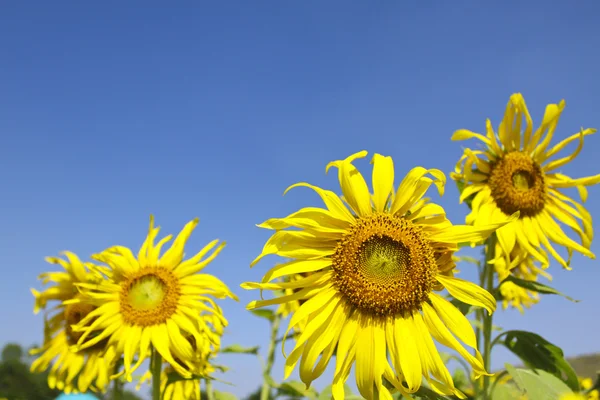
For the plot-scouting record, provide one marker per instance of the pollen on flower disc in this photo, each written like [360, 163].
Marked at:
[517, 184]
[384, 265]
[150, 296]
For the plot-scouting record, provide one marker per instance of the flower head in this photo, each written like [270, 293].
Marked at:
[376, 263]
[159, 301]
[518, 171]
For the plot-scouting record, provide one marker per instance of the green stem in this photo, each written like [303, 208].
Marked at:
[488, 274]
[498, 377]
[117, 392]
[210, 395]
[156, 369]
[266, 387]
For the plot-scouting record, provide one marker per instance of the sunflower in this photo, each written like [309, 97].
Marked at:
[71, 371]
[522, 266]
[516, 172]
[156, 301]
[375, 266]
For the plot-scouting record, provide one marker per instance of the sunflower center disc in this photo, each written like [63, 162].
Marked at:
[150, 296]
[384, 265]
[517, 184]
[146, 293]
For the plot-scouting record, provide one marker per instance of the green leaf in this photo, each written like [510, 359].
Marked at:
[236, 348]
[224, 395]
[537, 384]
[538, 353]
[175, 377]
[536, 287]
[221, 368]
[270, 381]
[295, 389]
[505, 392]
[264, 313]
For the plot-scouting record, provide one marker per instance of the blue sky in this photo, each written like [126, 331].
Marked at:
[111, 112]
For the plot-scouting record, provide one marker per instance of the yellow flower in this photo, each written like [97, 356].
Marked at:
[522, 266]
[71, 371]
[587, 384]
[515, 172]
[156, 301]
[375, 267]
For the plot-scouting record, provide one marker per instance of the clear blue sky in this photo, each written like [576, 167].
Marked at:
[110, 112]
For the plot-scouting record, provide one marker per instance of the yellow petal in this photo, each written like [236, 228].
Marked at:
[441, 333]
[313, 218]
[331, 200]
[565, 160]
[431, 362]
[408, 354]
[413, 186]
[303, 282]
[346, 353]
[468, 292]
[296, 267]
[549, 122]
[354, 187]
[383, 180]
[329, 331]
[365, 361]
[160, 341]
[174, 255]
[454, 320]
[466, 233]
[297, 244]
[464, 134]
[186, 269]
[561, 145]
[310, 333]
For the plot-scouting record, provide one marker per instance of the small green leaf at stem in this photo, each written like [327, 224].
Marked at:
[538, 353]
[236, 348]
[264, 313]
[537, 384]
[426, 393]
[224, 395]
[507, 391]
[535, 287]
[326, 392]
[296, 388]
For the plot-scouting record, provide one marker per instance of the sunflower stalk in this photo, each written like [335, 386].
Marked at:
[156, 369]
[266, 386]
[488, 284]
[117, 392]
[210, 394]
